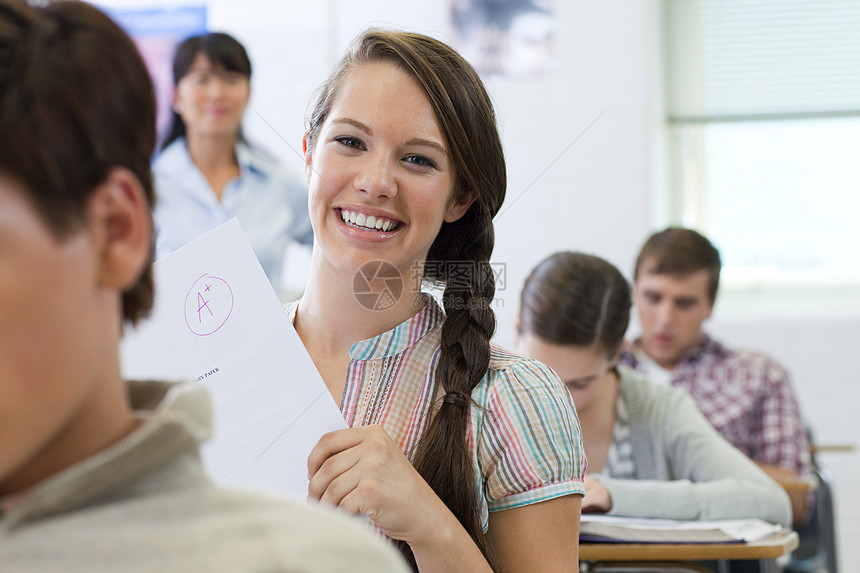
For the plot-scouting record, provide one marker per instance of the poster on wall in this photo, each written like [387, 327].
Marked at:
[514, 38]
[157, 31]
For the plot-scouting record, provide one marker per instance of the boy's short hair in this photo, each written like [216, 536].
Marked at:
[76, 101]
[679, 251]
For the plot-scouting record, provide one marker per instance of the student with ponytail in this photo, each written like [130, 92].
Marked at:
[651, 452]
[469, 457]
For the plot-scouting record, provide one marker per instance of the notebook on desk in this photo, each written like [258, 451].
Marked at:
[612, 529]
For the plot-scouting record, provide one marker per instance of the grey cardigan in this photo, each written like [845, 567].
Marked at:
[685, 469]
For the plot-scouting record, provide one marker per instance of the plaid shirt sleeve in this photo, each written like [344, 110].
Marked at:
[530, 442]
[782, 437]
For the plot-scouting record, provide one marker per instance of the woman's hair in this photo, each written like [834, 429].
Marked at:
[223, 50]
[75, 102]
[578, 299]
[459, 257]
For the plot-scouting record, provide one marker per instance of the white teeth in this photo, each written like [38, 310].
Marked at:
[368, 221]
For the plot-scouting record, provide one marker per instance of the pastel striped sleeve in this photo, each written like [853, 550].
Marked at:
[529, 438]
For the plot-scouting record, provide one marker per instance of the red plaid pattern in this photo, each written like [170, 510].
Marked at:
[748, 397]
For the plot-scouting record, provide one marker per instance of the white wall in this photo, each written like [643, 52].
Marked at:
[596, 189]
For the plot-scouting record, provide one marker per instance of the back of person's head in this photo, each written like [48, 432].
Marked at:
[459, 257]
[223, 51]
[576, 299]
[681, 252]
[75, 101]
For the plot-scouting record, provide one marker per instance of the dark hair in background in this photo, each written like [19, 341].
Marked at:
[463, 248]
[678, 251]
[577, 299]
[223, 50]
[76, 101]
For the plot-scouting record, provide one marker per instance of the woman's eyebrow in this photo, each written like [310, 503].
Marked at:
[355, 123]
[428, 143]
[583, 380]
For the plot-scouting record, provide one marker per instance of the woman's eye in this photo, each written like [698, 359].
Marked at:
[351, 142]
[420, 160]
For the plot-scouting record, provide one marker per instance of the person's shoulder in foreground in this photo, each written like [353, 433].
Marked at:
[97, 474]
[145, 504]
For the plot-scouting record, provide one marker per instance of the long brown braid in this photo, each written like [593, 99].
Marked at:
[460, 254]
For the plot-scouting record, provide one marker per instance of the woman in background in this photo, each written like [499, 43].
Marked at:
[465, 454]
[206, 172]
[650, 452]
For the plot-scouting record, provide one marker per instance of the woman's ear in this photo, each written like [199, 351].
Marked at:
[613, 362]
[175, 104]
[516, 328]
[307, 153]
[457, 209]
[120, 221]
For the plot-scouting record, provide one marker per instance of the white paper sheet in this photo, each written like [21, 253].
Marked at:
[646, 530]
[218, 321]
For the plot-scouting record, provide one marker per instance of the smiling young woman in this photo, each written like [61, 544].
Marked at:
[467, 455]
[381, 157]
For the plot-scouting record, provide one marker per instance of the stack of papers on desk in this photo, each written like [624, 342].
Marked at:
[612, 529]
[218, 322]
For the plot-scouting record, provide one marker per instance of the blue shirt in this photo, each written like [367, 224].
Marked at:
[269, 202]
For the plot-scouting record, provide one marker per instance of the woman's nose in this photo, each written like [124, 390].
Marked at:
[216, 87]
[376, 177]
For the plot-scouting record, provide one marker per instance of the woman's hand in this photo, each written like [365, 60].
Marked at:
[361, 470]
[597, 498]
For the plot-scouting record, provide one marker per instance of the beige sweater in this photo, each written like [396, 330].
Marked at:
[145, 504]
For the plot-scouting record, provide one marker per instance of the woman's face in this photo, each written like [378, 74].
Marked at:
[380, 174]
[211, 100]
[582, 368]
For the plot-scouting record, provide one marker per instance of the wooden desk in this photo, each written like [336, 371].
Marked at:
[799, 484]
[828, 448]
[766, 550]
